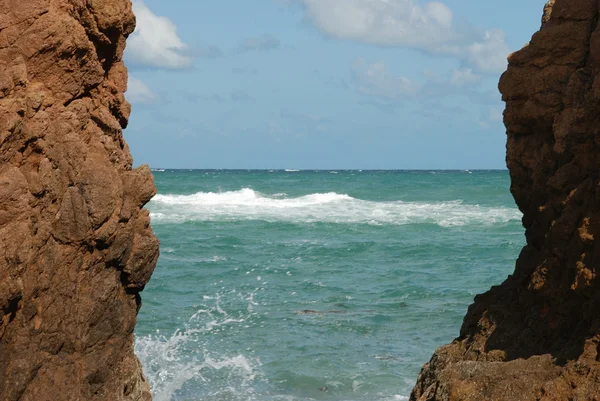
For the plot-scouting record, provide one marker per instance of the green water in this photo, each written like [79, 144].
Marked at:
[316, 285]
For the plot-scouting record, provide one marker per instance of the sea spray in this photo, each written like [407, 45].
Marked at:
[180, 365]
[174, 360]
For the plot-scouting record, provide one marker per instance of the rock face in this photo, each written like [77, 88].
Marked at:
[75, 244]
[537, 335]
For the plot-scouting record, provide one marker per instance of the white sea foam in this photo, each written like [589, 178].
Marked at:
[247, 204]
[184, 365]
[172, 361]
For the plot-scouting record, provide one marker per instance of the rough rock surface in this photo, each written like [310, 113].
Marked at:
[537, 335]
[75, 244]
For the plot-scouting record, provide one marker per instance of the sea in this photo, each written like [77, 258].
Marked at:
[316, 285]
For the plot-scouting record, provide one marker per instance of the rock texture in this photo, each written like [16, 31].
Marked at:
[75, 244]
[537, 335]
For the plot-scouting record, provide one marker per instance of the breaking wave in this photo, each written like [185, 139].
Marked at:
[184, 364]
[247, 204]
[174, 361]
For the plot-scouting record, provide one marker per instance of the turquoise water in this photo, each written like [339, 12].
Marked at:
[316, 285]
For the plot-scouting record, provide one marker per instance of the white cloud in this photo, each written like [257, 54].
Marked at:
[139, 93]
[382, 22]
[464, 77]
[453, 79]
[155, 41]
[489, 54]
[374, 79]
[404, 23]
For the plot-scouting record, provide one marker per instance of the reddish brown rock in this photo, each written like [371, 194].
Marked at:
[537, 335]
[75, 244]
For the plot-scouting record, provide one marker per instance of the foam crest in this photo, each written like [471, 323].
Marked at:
[248, 197]
[331, 207]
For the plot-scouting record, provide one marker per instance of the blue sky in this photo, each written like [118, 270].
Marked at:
[322, 84]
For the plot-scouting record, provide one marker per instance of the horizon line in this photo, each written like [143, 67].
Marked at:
[158, 169]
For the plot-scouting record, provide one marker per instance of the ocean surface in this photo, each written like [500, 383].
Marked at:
[316, 285]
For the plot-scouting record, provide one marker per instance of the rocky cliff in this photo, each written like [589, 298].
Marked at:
[75, 244]
[537, 335]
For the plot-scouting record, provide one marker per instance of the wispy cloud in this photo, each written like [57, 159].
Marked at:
[330, 80]
[196, 97]
[155, 42]
[139, 93]
[202, 51]
[299, 124]
[489, 117]
[405, 23]
[383, 106]
[241, 97]
[259, 43]
[374, 79]
[236, 96]
[464, 77]
[436, 96]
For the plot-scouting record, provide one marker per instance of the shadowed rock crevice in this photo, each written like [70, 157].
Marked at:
[76, 246]
[536, 336]
[11, 309]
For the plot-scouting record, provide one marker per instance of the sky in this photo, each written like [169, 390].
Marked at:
[322, 84]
